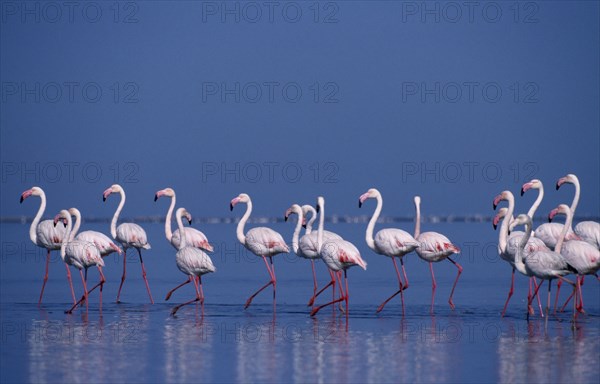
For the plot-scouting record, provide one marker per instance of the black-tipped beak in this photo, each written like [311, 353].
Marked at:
[557, 186]
[155, 197]
[21, 200]
[103, 198]
[549, 219]
[495, 226]
[359, 203]
[494, 205]
[190, 221]
[508, 232]
[522, 192]
[317, 208]
[285, 218]
[304, 226]
[230, 207]
[55, 224]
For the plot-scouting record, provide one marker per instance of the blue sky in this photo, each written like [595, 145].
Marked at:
[452, 104]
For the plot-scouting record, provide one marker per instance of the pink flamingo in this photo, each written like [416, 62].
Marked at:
[261, 241]
[82, 255]
[588, 231]
[390, 242]
[129, 235]
[581, 255]
[338, 255]
[434, 247]
[309, 243]
[508, 246]
[543, 264]
[192, 261]
[305, 247]
[104, 244]
[45, 235]
[195, 238]
[547, 232]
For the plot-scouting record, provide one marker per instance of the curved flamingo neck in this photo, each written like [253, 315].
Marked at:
[576, 197]
[76, 225]
[168, 231]
[519, 264]
[370, 228]
[313, 217]
[563, 233]
[321, 224]
[297, 230]
[537, 202]
[113, 223]
[183, 243]
[417, 218]
[36, 219]
[503, 237]
[67, 238]
[240, 227]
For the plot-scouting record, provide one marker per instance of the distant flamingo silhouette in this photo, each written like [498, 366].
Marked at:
[262, 241]
[434, 247]
[391, 242]
[192, 262]
[129, 235]
[45, 235]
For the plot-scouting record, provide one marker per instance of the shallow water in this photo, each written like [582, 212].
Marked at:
[138, 342]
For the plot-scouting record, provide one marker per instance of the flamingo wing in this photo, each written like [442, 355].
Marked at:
[50, 236]
[589, 231]
[132, 235]
[263, 241]
[193, 261]
[395, 242]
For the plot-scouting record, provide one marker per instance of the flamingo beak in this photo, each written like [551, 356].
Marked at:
[233, 203]
[106, 193]
[497, 201]
[25, 195]
[155, 196]
[560, 182]
[553, 213]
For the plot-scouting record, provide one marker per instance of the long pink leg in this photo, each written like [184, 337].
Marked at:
[197, 298]
[341, 298]
[144, 276]
[433, 286]
[124, 274]
[557, 292]
[399, 291]
[510, 292]
[332, 282]
[45, 277]
[529, 296]
[347, 295]
[534, 295]
[460, 269]
[404, 273]
[312, 299]
[579, 307]
[85, 291]
[189, 280]
[272, 281]
[538, 297]
[100, 284]
[70, 283]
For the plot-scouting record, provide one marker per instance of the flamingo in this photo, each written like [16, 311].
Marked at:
[588, 231]
[129, 235]
[195, 238]
[547, 232]
[508, 245]
[192, 262]
[583, 256]
[305, 247]
[81, 255]
[338, 255]
[390, 242]
[543, 264]
[45, 235]
[262, 241]
[434, 247]
[104, 244]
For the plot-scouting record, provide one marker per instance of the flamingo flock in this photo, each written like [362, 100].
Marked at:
[551, 251]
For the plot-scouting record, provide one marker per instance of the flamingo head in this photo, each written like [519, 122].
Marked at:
[34, 191]
[164, 192]
[182, 212]
[63, 216]
[522, 219]
[115, 188]
[242, 198]
[417, 200]
[533, 184]
[501, 213]
[295, 208]
[561, 209]
[306, 209]
[370, 194]
[320, 203]
[505, 195]
[570, 178]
